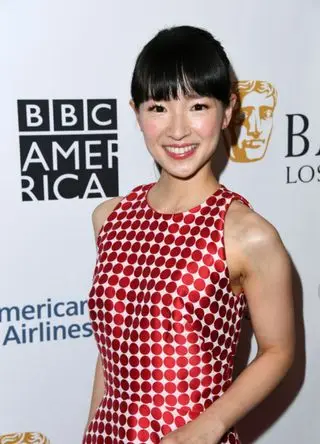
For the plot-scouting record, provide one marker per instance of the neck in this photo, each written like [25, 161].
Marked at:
[174, 194]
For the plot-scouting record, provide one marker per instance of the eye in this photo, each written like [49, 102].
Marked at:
[156, 108]
[200, 106]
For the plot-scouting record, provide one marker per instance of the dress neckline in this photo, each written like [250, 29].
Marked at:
[191, 210]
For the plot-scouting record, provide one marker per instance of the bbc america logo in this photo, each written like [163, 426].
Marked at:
[68, 149]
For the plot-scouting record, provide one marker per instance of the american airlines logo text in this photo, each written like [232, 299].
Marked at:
[68, 149]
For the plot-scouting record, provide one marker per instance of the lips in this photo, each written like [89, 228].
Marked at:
[180, 149]
[180, 152]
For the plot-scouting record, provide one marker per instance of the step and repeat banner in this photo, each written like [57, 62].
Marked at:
[69, 140]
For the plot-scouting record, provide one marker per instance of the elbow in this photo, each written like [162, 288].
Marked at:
[290, 353]
[290, 357]
[282, 357]
[286, 360]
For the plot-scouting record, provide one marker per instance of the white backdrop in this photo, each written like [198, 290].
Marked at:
[79, 49]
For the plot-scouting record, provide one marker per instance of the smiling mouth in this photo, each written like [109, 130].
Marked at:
[180, 149]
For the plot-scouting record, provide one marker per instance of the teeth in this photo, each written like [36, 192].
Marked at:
[174, 150]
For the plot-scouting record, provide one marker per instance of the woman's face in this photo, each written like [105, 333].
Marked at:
[182, 135]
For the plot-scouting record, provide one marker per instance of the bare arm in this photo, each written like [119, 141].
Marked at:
[266, 280]
[99, 216]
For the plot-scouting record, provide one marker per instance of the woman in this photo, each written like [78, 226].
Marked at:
[178, 262]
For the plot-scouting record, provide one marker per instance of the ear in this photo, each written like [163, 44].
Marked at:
[228, 111]
[131, 103]
[136, 111]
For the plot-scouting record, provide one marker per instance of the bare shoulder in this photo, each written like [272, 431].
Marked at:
[101, 212]
[251, 237]
[249, 226]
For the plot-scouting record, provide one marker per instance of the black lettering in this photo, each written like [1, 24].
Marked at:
[292, 134]
[87, 329]
[308, 176]
[74, 331]
[11, 335]
[288, 176]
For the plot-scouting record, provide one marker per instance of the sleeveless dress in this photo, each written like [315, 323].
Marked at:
[164, 317]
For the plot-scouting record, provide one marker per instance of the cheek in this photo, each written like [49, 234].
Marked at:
[151, 129]
[207, 127]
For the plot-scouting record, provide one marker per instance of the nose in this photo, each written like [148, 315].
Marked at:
[254, 125]
[179, 126]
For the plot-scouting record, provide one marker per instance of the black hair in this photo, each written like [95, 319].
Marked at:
[181, 59]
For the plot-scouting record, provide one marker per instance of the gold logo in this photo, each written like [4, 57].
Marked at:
[248, 134]
[24, 438]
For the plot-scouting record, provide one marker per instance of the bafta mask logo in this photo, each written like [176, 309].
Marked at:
[249, 131]
[24, 438]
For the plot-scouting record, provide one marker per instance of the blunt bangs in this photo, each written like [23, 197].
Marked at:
[181, 60]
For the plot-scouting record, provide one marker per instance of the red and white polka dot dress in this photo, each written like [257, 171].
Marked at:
[164, 316]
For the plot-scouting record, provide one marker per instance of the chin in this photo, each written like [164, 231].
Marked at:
[181, 173]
